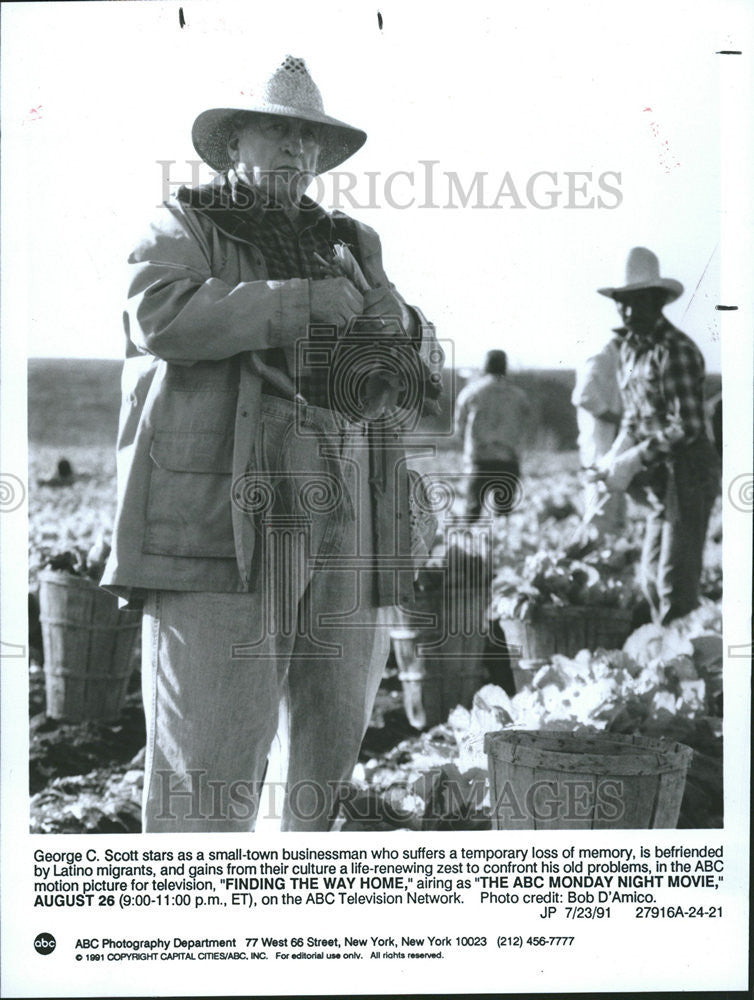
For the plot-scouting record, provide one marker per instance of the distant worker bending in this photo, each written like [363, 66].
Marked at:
[492, 418]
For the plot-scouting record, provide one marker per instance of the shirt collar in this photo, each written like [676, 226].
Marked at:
[247, 199]
[641, 343]
[234, 205]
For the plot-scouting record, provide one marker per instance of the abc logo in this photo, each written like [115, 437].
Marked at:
[44, 944]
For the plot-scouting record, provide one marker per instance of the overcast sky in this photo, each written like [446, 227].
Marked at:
[95, 95]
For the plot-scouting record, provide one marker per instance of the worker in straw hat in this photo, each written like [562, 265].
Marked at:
[662, 450]
[264, 513]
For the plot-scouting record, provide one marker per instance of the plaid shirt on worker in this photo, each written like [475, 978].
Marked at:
[662, 386]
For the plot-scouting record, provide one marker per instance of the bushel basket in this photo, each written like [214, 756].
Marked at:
[566, 630]
[449, 633]
[584, 781]
[90, 647]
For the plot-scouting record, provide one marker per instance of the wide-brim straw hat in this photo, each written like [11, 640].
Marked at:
[643, 271]
[291, 92]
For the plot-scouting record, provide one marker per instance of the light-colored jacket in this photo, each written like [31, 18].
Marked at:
[492, 419]
[199, 305]
[597, 392]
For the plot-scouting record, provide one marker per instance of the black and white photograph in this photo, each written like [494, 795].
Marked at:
[376, 459]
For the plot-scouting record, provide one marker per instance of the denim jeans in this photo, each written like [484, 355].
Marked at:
[671, 563]
[302, 654]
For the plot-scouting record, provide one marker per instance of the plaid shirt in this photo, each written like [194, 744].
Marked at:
[290, 253]
[662, 386]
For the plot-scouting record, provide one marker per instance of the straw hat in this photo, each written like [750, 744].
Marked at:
[290, 92]
[643, 271]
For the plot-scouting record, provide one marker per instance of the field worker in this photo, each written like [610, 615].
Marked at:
[492, 418]
[662, 446]
[597, 399]
[263, 507]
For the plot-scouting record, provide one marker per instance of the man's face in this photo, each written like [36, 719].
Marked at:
[279, 155]
[641, 309]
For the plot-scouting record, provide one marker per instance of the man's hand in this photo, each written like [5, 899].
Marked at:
[379, 394]
[617, 471]
[383, 303]
[334, 300]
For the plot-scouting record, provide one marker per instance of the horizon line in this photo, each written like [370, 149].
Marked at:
[516, 368]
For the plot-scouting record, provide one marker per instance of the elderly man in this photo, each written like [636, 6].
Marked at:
[662, 447]
[263, 515]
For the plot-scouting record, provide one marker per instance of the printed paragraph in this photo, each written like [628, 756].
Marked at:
[571, 882]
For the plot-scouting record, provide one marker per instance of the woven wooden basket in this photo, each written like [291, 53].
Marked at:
[90, 647]
[576, 781]
[568, 629]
